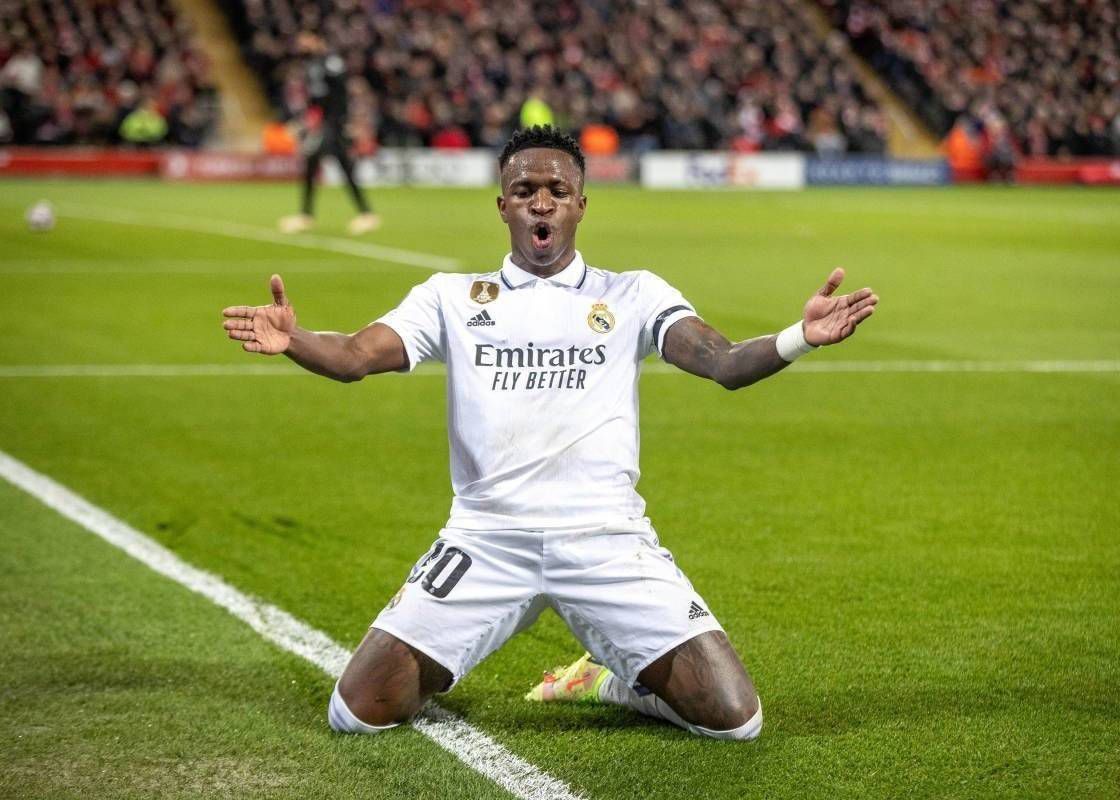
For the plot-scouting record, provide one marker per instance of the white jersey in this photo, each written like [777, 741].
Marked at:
[542, 385]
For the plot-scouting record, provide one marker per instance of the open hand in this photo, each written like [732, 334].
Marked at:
[829, 319]
[263, 329]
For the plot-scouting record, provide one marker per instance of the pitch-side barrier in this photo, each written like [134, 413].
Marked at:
[477, 168]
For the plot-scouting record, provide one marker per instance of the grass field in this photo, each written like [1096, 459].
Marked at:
[920, 568]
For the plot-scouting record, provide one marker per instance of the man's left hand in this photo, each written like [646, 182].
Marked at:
[828, 319]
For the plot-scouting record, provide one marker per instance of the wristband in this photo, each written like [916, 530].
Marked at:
[791, 343]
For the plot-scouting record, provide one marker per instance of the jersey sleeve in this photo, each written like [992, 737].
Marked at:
[418, 320]
[662, 307]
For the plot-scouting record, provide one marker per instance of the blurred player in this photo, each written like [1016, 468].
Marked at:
[324, 134]
[543, 358]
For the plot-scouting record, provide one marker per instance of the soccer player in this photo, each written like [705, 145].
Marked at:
[324, 134]
[542, 358]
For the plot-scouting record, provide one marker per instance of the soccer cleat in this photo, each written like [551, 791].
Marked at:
[296, 223]
[576, 683]
[364, 223]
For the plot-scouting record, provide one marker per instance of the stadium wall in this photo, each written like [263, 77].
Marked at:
[654, 170]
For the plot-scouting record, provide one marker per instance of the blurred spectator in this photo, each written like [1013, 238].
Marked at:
[21, 78]
[144, 125]
[72, 72]
[1048, 69]
[535, 111]
[964, 148]
[742, 74]
[999, 149]
[277, 140]
[599, 140]
[824, 134]
[451, 137]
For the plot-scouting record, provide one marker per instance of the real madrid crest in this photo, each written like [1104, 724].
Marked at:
[600, 319]
[483, 292]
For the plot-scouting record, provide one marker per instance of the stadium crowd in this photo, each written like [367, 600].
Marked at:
[740, 74]
[1037, 77]
[89, 72]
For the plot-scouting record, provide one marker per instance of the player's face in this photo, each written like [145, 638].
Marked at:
[542, 202]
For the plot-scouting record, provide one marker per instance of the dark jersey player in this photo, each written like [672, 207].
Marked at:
[324, 134]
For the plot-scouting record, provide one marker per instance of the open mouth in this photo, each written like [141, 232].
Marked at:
[542, 236]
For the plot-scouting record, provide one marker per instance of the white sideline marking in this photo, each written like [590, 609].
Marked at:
[283, 368]
[237, 230]
[454, 734]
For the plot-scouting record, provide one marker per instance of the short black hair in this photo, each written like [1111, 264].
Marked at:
[541, 136]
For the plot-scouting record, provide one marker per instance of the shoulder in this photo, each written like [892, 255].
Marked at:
[638, 282]
[636, 287]
[625, 281]
[630, 277]
[645, 278]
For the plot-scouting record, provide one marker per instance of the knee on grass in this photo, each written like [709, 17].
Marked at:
[744, 733]
[343, 720]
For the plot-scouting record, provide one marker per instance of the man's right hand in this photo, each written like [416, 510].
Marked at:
[263, 329]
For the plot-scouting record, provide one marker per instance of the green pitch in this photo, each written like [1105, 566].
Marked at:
[920, 569]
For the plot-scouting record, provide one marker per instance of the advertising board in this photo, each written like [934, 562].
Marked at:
[710, 170]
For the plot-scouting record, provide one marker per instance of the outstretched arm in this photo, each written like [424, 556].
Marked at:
[272, 329]
[697, 347]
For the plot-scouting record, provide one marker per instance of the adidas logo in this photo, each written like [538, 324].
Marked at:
[695, 611]
[481, 320]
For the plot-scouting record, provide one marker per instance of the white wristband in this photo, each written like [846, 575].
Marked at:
[791, 343]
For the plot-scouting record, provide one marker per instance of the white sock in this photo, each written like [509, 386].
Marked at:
[342, 719]
[616, 692]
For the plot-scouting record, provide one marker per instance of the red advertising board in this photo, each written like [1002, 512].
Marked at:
[91, 161]
[211, 166]
[1089, 171]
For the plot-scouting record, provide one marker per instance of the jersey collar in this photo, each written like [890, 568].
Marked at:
[572, 275]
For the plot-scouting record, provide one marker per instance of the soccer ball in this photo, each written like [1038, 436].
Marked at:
[40, 217]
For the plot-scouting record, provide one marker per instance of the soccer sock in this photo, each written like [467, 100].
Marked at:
[616, 692]
[342, 719]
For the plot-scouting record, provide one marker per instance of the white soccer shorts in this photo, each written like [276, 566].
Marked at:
[620, 593]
